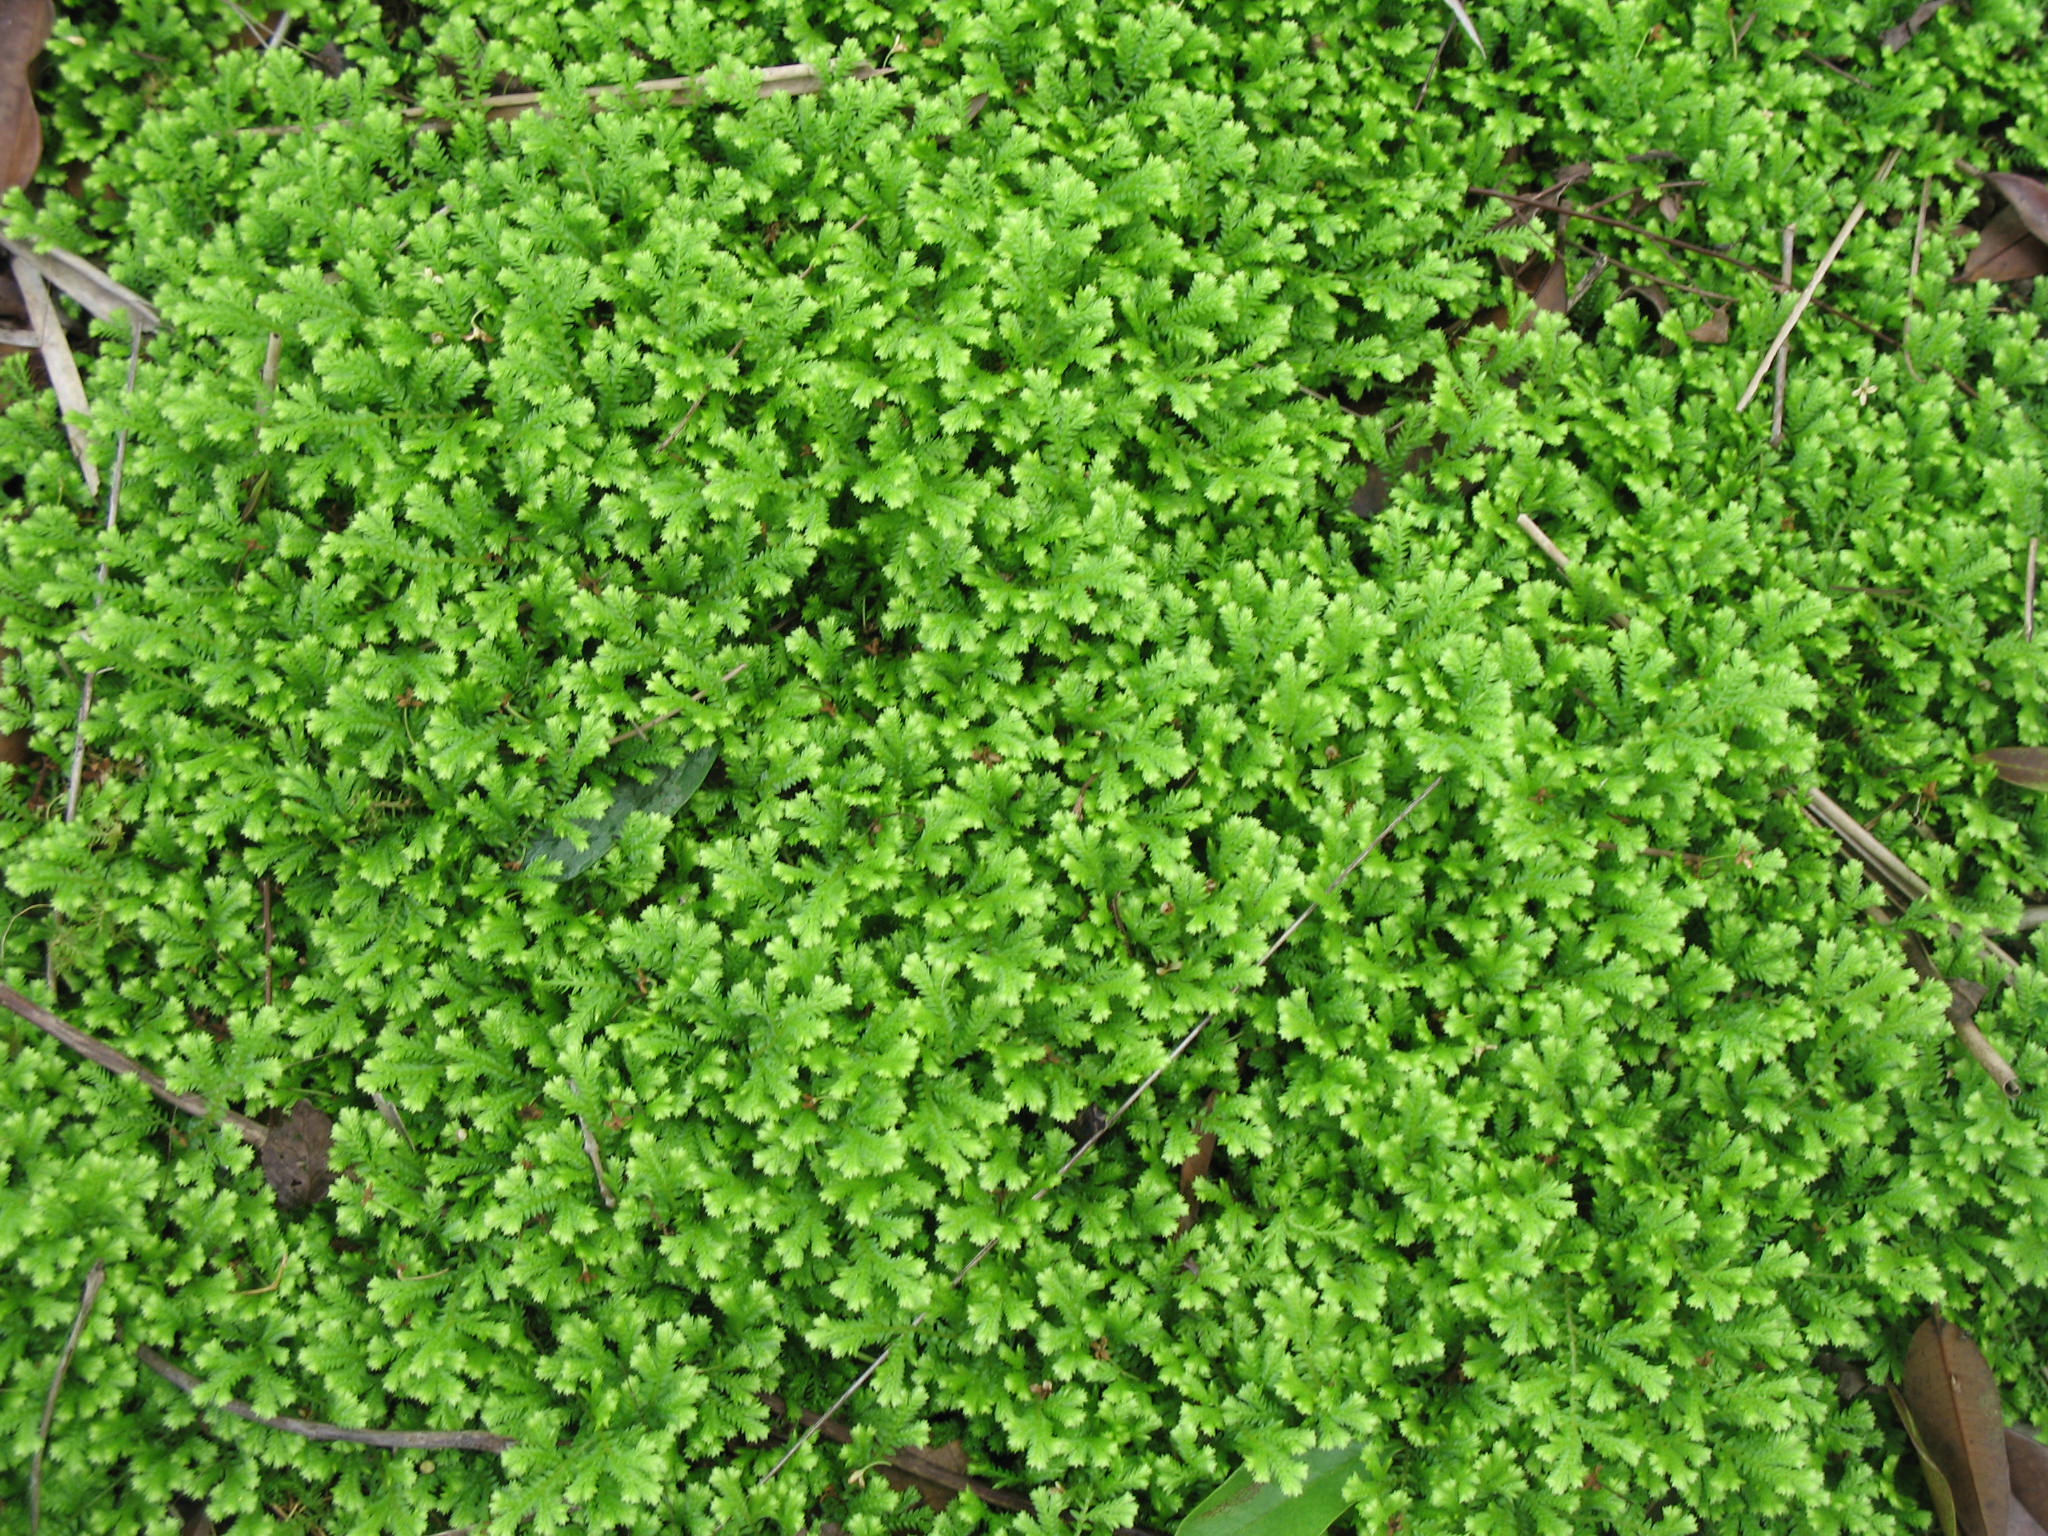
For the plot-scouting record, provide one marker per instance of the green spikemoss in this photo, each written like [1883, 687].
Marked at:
[999, 546]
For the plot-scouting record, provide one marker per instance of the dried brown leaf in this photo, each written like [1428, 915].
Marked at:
[2026, 197]
[2024, 766]
[1895, 38]
[1955, 1407]
[1195, 1167]
[1937, 1485]
[938, 1473]
[1712, 331]
[2027, 1460]
[24, 29]
[1671, 206]
[295, 1157]
[2005, 252]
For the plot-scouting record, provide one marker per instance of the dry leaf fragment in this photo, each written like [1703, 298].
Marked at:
[1895, 38]
[2025, 196]
[1671, 206]
[2024, 766]
[2005, 252]
[295, 1157]
[1954, 1406]
[24, 29]
[2027, 1460]
[1713, 331]
[938, 1473]
[1195, 1168]
[1937, 1485]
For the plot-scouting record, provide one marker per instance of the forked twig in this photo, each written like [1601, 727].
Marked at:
[115, 1061]
[1812, 287]
[1109, 1123]
[93, 1279]
[386, 1439]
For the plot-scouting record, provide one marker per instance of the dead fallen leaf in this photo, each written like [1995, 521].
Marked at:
[2026, 197]
[938, 1473]
[1195, 1167]
[1954, 1406]
[2027, 1460]
[1671, 206]
[1652, 295]
[2024, 766]
[295, 1156]
[1895, 38]
[2005, 252]
[1712, 331]
[1937, 1485]
[24, 29]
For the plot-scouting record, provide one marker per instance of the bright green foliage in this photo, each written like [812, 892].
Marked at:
[1006, 460]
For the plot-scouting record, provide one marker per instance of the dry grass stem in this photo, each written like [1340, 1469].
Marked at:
[99, 295]
[115, 1061]
[776, 80]
[1778, 379]
[1913, 279]
[2033, 578]
[94, 1278]
[1813, 283]
[1109, 1123]
[1543, 542]
[386, 1439]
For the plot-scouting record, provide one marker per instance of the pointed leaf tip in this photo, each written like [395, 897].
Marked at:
[2024, 766]
[1960, 1425]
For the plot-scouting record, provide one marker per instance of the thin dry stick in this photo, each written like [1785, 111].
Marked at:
[1434, 64]
[604, 1188]
[1465, 20]
[1812, 286]
[1913, 278]
[284, 27]
[1108, 1124]
[1723, 257]
[385, 1439]
[1654, 277]
[266, 941]
[1543, 542]
[93, 1279]
[695, 698]
[1778, 379]
[776, 80]
[1560, 560]
[99, 595]
[273, 352]
[2033, 574]
[1586, 281]
[115, 1061]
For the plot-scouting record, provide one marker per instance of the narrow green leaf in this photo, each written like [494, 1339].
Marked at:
[1937, 1485]
[2024, 766]
[663, 797]
[1242, 1507]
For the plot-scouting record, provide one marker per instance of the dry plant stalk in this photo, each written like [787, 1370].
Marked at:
[93, 1280]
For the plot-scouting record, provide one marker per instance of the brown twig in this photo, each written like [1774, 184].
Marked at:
[266, 941]
[1434, 64]
[1813, 283]
[1779, 378]
[385, 1439]
[94, 1277]
[1658, 278]
[115, 1061]
[2033, 575]
[1558, 558]
[1109, 1123]
[1672, 241]
[776, 80]
[696, 698]
[1913, 279]
[1824, 63]
[916, 1463]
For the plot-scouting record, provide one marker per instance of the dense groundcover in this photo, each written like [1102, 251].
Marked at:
[975, 479]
